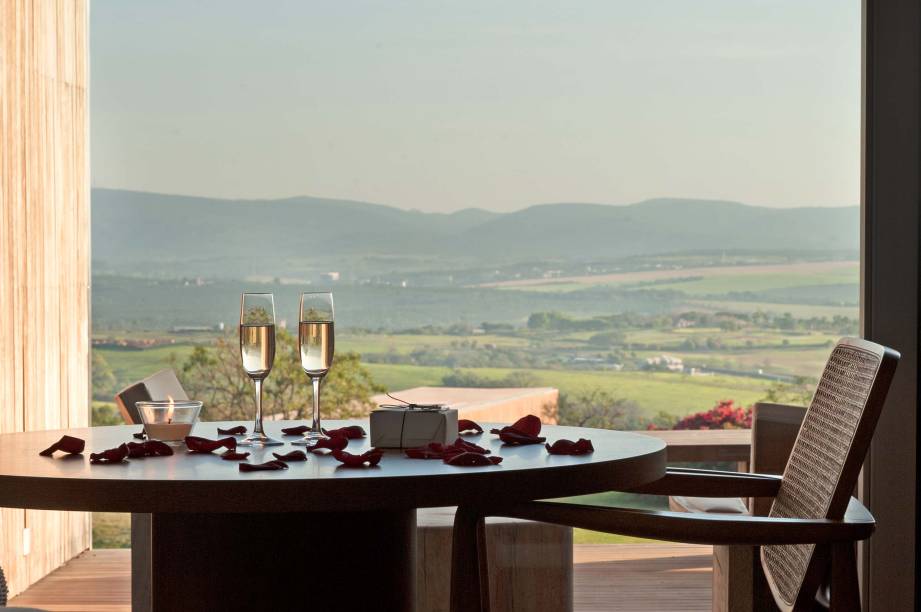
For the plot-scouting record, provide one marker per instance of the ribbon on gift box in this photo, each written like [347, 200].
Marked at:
[411, 406]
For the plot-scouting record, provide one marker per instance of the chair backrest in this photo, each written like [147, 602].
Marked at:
[825, 461]
[160, 386]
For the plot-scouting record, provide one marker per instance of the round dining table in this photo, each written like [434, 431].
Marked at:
[317, 535]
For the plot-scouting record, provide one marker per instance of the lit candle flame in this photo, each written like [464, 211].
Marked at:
[169, 413]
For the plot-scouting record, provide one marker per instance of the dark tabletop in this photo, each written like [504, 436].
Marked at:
[205, 483]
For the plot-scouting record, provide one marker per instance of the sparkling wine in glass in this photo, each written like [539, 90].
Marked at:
[316, 339]
[257, 348]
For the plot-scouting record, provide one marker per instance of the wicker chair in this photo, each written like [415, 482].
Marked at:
[813, 524]
[737, 579]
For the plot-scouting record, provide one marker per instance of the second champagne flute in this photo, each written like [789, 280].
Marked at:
[257, 348]
[316, 338]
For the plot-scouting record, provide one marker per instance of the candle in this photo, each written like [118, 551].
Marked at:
[169, 421]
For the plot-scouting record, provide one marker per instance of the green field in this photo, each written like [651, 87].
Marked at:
[676, 394]
[797, 310]
[132, 365]
[764, 339]
[706, 279]
[406, 343]
[111, 530]
[758, 282]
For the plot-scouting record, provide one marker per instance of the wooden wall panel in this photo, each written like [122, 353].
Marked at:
[44, 254]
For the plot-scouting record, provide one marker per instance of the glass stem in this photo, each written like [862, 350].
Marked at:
[316, 404]
[257, 426]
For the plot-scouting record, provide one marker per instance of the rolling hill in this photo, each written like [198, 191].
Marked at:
[139, 231]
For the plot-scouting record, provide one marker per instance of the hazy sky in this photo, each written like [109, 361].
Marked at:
[500, 104]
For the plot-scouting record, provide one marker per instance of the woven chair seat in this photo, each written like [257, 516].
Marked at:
[714, 505]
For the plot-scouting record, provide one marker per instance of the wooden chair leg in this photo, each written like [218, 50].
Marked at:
[469, 570]
[733, 573]
[845, 591]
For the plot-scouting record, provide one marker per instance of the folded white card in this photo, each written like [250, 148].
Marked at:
[394, 427]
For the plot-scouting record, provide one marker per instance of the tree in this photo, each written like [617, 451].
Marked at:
[103, 378]
[215, 376]
[520, 379]
[460, 378]
[798, 392]
[785, 321]
[595, 408]
[539, 320]
[104, 413]
[609, 338]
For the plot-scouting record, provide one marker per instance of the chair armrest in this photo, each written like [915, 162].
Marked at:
[712, 483]
[857, 524]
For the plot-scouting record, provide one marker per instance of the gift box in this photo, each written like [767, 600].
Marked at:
[406, 427]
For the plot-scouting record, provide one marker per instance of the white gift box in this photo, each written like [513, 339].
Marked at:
[398, 427]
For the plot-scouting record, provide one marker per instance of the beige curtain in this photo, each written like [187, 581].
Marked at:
[44, 255]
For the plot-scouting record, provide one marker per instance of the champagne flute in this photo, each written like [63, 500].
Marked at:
[257, 348]
[316, 338]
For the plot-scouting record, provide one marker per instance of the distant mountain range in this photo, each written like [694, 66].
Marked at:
[142, 231]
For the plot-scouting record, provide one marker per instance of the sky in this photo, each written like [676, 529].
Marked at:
[440, 105]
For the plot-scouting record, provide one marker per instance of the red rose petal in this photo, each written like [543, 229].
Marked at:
[295, 455]
[299, 430]
[529, 425]
[112, 455]
[196, 444]
[68, 444]
[371, 457]
[522, 431]
[470, 447]
[472, 460]
[232, 455]
[332, 443]
[239, 430]
[568, 447]
[149, 448]
[262, 467]
[510, 435]
[352, 432]
[434, 450]
[466, 426]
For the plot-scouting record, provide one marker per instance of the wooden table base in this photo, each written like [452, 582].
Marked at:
[284, 561]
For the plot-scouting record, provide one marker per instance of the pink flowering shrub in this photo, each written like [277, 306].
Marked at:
[725, 415]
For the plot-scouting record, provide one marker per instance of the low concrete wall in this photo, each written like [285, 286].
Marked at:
[486, 405]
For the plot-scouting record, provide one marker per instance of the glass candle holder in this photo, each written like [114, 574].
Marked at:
[169, 421]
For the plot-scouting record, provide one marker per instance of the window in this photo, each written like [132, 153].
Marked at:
[651, 207]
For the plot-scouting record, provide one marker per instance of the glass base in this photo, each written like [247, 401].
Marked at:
[257, 440]
[310, 439]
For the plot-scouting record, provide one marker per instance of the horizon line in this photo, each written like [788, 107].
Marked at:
[475, 208]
